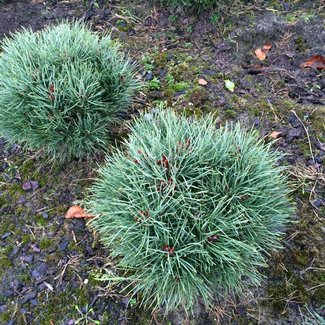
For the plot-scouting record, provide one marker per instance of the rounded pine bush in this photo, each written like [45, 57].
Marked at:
[61, 89]
[189, 210]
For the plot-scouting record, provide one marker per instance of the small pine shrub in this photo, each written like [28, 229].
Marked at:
[189, 211]
[61, 89]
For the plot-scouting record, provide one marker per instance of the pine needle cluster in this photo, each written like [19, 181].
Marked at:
[188, 210]
[61, 89]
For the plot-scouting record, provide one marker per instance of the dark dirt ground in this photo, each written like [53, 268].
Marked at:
[47, 262]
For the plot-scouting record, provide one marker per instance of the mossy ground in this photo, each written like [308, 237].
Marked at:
[174, 51]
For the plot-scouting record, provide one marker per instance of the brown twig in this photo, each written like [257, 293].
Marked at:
[307, 133]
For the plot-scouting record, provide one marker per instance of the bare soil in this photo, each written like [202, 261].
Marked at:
[47, 262]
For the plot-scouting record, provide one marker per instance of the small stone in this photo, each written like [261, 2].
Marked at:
[3, 166]
[155, 94]
[222, 101]
[78, 225]
[209, 72]
[256, 121]
[14, 285]
[179, 93]
[319, 158]
[35, 248]
[21, 200]
[87, 16]
[8, 293]
[70, 322]
[295, 133]
[125, 301]
[39, 271]
[318, 202]
[106, 13]
[5, 235]
[241, 310]
[89, 250]
[291, 161]
[148, 76]
[27, 186]
[63, 245]
[162, 73]
[290, 54]
[28, 297]
[26, 258]
[30, 185]
[34, 302]
[15, 250]
[45, 215]
[41, 287]
[35, 185]
[292, 119]
[286, 6]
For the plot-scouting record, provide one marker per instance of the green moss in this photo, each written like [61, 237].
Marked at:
[26, 238]
[5, 317]
[230, 113]
[235, 98]
[300, 257]
[15, 190]
[197, 96]
[193, 112]
[161, 59]
[180, 71]
[45, 243]
[24, 278]
[300, 43]
[26, 168]
[7, 249]
[5, 262]
[280, 291]
[3, 201]
[177, 87]
[122, 25]
[60, 306]
[40, 220]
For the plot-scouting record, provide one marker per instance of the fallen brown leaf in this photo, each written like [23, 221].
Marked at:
[275, 134]
[315, 62]
[77, 212]
[261, 52]
[202, 82]
[267, 47]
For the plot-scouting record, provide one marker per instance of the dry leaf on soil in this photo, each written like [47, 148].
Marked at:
[275, 134]
[202, 82]
[315, 62]
[77, 212]
[261, 52]
[230, 85]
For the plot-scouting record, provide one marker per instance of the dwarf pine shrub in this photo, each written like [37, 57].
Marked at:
[189, 211]
[61, 89]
